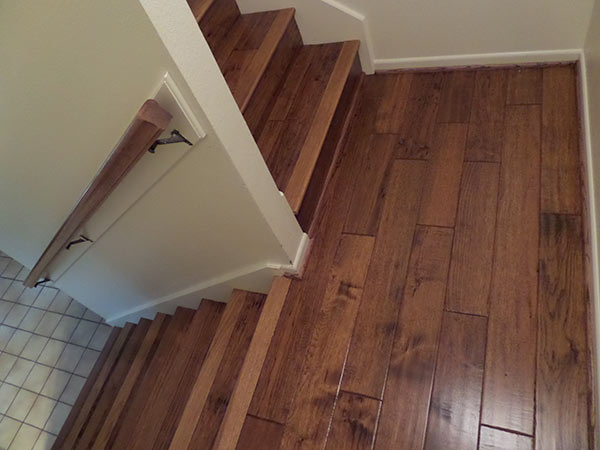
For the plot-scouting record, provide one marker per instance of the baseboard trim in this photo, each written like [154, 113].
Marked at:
[591, 243]
[480, 59]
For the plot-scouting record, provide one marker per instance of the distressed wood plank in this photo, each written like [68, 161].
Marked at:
[524, 86]
[456, 397]
[391, 111]
[354, 423]
[562, 390]
[456, 97]
[410, 376]
[473, 250]
[510, 373]
[493, 439]
[260, 434]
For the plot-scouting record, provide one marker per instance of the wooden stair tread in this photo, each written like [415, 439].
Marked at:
[245, 51]
[305, 107]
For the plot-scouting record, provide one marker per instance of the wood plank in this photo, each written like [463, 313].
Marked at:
[562, 390]
[199, 394]
[354, 423]
[195, 348]
[147, 125]
[391, 111]
[371, 347]
[260, 434]
[524, 86]
[561, 184]
[508, 400]
[486, 125]
[98, 415]
[416, 131]
[217, 21]
[314, 401]
[442, 186]
[456, 397]
[368, 195]
[238, 406]
[410, 376]
[457, 96]
[135, 368]
[228, 374]
[309, 153]
[77, 411]
[126, 430]
[494, 439]
[473, 249]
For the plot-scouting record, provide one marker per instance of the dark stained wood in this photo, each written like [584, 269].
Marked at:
[457, 96]
[260, 434]
[391, 111]
[508, 400]
[112, 386]
[442, 186]
[524, 86]
[562, 390]
[312, 408]
[149, 122]
[369, 353]
[456, 398]
[410, 376]
[69, 427]
[354, 423]
[473, 249]
[367, 198]
[561, 184]
[418, 122]
[493, 439]
[216, 20]
[486, 125]
[227, 375]
[281, 372]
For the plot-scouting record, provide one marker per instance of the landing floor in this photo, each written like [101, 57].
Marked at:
[444, 303]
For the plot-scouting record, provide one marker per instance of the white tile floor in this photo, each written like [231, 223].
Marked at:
[48, 346]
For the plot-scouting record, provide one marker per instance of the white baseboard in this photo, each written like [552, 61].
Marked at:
[593, 231]
[480, 59]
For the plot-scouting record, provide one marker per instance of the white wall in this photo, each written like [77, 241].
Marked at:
[73, 75]
[590, 96]
[419, 33]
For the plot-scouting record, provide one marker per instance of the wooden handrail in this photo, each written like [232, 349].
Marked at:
[149, 122]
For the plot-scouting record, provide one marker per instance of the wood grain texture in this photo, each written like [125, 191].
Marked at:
[260, 434]
[228, 374]
[562, 364]
[323, 116]
[369, 353]
[418, 122]
[410, 376]
[239, 403]
[508, 400]
[391, 111]
[473, 249]
[561, 183]
[199, 393]
[456, 398]
[444, 170]
[135, 368]
[149, 122]
[354, 423]
[486, 125]
[70, 427]
[369, 190]
[314, 400]
[457, 96]
[524, 86]
[493, 439]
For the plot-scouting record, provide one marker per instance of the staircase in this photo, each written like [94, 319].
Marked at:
[186, 381]
[177, 382]
[297, 99]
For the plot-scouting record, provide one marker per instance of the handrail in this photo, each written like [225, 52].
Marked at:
[149, 122]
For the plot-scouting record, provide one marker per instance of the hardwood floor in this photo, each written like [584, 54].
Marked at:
[465, 326]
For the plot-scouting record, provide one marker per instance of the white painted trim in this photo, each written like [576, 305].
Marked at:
[479, 59]
[595, 300]
[296, 266]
